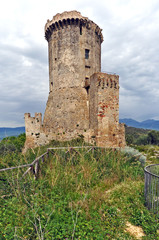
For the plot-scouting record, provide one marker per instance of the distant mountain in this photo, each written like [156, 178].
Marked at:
[8, 132]
[147, 124]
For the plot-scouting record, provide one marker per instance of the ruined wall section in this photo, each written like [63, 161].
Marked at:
[104, 109]
[34, 131]
[74, 55]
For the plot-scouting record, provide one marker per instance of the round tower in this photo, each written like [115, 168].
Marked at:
[74, 46]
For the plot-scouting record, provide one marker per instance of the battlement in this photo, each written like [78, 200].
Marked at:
[64, 15]
[70, 18]
[105, 80]
[37, 118]
[33, 124]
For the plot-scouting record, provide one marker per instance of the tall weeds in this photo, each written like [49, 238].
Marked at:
[72, 198]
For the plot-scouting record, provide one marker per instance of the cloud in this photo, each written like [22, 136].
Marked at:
[23, 80]
[130, 49]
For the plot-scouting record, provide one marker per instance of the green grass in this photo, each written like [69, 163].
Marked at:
[78, 195]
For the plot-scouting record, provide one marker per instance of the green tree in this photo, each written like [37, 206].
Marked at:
[142, 140]
[153, 137]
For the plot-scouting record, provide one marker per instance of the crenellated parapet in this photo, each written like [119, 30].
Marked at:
[70, 18]
[108, 81]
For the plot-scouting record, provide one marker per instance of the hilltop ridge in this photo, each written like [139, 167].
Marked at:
[146, 124]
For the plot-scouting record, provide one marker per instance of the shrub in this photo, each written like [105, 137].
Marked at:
[135, 154]
[12, 144]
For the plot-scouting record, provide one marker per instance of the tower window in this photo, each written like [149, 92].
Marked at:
[51, 87]
[87, 90]
[86, 53]
[80, 29]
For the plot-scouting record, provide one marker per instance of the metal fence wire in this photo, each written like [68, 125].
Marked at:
[152, 187]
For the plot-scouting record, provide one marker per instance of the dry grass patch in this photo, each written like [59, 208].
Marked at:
[134, 230]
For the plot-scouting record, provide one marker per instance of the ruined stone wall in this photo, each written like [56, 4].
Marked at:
[74, 46]
[34, 131]
[104, 109]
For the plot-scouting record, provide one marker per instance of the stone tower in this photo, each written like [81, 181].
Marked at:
[82, 101]
[74, 44]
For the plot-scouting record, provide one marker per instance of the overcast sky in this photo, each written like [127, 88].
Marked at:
[130, 49]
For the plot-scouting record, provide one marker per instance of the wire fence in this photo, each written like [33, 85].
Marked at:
[152, 187]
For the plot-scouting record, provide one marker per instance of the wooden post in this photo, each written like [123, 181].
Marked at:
[37, 169]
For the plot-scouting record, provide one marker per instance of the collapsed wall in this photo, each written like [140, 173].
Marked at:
[35, 135]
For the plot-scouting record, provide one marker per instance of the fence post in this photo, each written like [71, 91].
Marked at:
[36, 169]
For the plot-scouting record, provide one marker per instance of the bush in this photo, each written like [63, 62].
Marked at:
[139, 136]
[12, 144]
[142, 140]
[135, 154]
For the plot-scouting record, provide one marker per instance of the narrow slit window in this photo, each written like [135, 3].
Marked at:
[86, 53]
[51, 87]
[80, 29]
[87, 90]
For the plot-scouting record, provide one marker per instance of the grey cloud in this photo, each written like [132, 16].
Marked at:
[24, 87]
[130, 49]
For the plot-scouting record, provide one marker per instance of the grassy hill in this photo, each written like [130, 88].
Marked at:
[97, 194]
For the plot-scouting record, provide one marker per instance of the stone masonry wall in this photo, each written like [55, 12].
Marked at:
[104, 109]
[82, 100]
[34, 131]
[74, 55]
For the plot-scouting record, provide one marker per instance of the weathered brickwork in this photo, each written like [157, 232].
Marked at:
[104, 110]
[82, 100]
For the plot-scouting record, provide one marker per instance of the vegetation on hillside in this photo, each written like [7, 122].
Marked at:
[139, 136]
[79, 195]
[12, 144]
